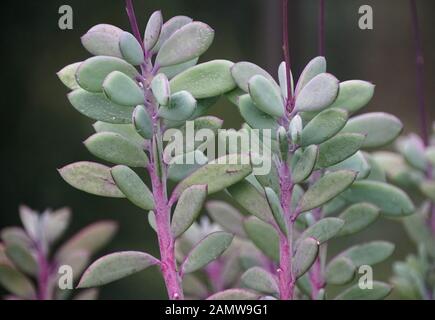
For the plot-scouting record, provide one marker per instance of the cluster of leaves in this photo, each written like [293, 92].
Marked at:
[318, 170]
[133, 110]
[29, 265]
[411, 167]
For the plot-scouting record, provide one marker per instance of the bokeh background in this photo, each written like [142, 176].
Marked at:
[40, 131]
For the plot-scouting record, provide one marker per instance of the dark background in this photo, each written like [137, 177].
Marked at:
[40, 131]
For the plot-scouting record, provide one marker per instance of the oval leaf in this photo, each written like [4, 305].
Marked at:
[369, 253]
[264, 236]
[152, 30]
[103, 40]
[168, 29]
[305, 164]
[161, 90]
[275, 206]
[339, 148]
[323, 230]
[122, 90]
[131, 49]
[379, 291]
[181, 107]
[142, 122]
[306, 254]
[266, 96]
[353, 95]
[358, 217]
[318, 94]
[234, 294]
[256, 118]
[340, 271]
[16, 283]
[315, 67]
[68, 75]
[226, 216]
[260, 280]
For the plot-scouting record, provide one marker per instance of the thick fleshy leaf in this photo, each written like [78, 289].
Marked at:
[315, 67]
[340, 271]
[78, 261]
[103, 40]
[264, 236]
[92, 178]
[226, 216]
[323, 230]
[142, 122]
[172, 71]
[218, 174]
[323, 126]
[153, 30]
[133, 187]
[188, 208]
[369, 253]
[379, 291]
[122, 90]
[304, 163]
[256, 118]
[179, 168]
[205, 80]
[339, 148]
[306, 254]
[187, 43]
[358, 217]
[243, 71]
[266, 96]
[168, 28]
[125, 130]
[207, 250]
[55, 223]
[353, 95]
[15, 235]
[275, 206]
[282, 76]
[357, 163]
[417, 230]
[260, 280]
[161, 90]
[68, 76]
[131, 49]
[326, 188]
[16, 283]
[96, 106]
[90, 239]
[115, 266]
[379, 128]
[317, 94]
[194, 287]
[115, 148]
[413, 149]
[234, 294]
[30, 220]
[92, 72]
[22, 258]
[251, 199]
[181, 107]
[389, 199]
[152, 220]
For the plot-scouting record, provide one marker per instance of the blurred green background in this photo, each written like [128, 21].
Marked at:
[42, 132]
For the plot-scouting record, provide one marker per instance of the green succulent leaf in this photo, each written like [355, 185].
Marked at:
[242, 72]
[369, 253]
[205, 80]
[315, 67]
[340, 271]
[92, 72]
[264, 236]
[317, 94]
[182, 105]
[234, 294]
[68, 75]
[172, 71]
[115, 148]
[323, 230]
[254, 116]
[323, 126]
[358, 217]
[306, 254]
[161, 89]
[179, 168]
[275, 206]
[91, 177]
[413, 149]
[207, 250]
[389, 199]
[54, 223]
[357, 163]
[16, 283]
[282, 76]
[353, 95]
[103, 40]
[339, 148]
[229, 218]
[122, 90]
[22, 258]
[260, 280]
[153, 30]
[126, 130]
[188, 42]
[326, 188]
[188, 208]
[142, 122]
[266, 96]
[379, 128]
[169, 28]
[115, 266]
[304, 163]
[131, 49]
[96, 106]
[133, 187]
[379, 291]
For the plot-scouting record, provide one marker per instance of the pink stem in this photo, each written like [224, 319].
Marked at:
[43, 275]
[286, 52]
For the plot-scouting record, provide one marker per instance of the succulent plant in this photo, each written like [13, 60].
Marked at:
[30, 268]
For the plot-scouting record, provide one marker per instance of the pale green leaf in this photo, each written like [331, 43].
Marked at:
[260, 280]
[266, 96]
[340, 271]
[103, 40]
[323, 230]
[306, 254]
[68, 76]
[339, 148]
[315, 67]
[234, 294]
[168, 28]
[161, 90]
[16, 283]
[131, 49]
[357, 163]
[126, 130]
[256, 118]
[122, 90]
[379, 291]
[181, 107]
[353, 95]
[264, 236]
[304, 163]
[275, 206]
[369, 253]
[317, 94]
[242, 72]
[358, 217]
[229, 218]
[153, 30]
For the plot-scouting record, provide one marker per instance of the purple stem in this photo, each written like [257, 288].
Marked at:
[168, 263]
[43, 274]
[321, 26]
[286, 52]
[419, 73]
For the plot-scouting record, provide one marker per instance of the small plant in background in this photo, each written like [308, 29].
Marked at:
[29, 265]
[412, 168]
[318, 169]
[138, 88]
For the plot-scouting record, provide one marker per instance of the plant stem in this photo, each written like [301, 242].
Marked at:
[43, 274]
[321, 28]
[286, 51]
[168, 262]
[419, 73]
